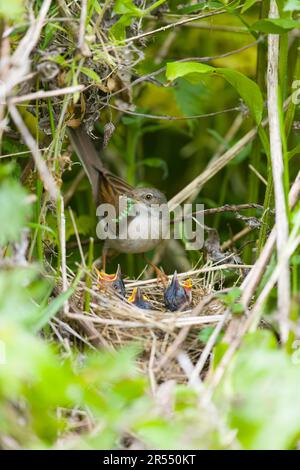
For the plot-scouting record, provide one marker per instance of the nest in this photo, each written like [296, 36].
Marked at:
[113, 322]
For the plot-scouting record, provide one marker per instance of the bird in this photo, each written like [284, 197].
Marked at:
[112, 281]
[178, 295]
[140, 300]
[108, 188]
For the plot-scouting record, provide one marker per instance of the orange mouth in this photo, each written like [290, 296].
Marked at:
[102, 276]
[131, 299]
[187, 284]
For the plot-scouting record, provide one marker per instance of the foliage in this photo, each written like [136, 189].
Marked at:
[168, 90]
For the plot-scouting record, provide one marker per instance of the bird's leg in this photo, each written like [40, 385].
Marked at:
[104, 261]
[160, 275]
[104, 255]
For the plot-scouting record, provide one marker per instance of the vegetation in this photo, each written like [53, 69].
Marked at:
[200, 100]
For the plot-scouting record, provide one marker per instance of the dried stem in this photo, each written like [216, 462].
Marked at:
[277, 169]
[42, 168]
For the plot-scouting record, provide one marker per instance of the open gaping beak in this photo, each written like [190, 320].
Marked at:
[112, 281]
[140, 300]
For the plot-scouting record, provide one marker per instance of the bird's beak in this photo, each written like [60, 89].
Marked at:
[175, 282]
[135, 295]
[138, 299]
[104, 277]
[114, 281]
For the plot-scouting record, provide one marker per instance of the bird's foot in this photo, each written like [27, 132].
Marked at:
[161, 276]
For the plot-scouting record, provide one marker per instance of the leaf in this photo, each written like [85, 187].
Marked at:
[126, 6]
[14, 210]
[292, 5]
[128, 10]
[91, 74]
[190, 97]
[262, 387]
[118, 30]
[275, 26]
[181, 69]
[247, 89]
[51, 310]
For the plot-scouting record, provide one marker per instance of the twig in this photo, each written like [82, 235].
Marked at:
[72, 188]
[163, 323]
[19, 63]
[208, 348]
[62, 239]
[42, 168]
[209, 269]
[172, 118]
[172, 25]
[213, 168]
[259, 176]
[151, 75]
[29, 41]
[81, 33]
[228, 243]
[253, 278]
[248, 286]
[41, 94]
[77, 237]
[277, 169]
[221, 209]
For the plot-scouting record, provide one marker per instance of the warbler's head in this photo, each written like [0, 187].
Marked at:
[149, 196]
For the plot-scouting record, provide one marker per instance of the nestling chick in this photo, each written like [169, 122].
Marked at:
[178, 295]
[112, 281]
[140, 300]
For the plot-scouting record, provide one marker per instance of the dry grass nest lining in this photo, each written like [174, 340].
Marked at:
[113, 322]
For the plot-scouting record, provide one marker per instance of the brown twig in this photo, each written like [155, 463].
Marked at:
[249, 286]
[42, 94]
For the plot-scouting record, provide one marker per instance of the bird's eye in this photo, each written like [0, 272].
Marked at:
[148, 197]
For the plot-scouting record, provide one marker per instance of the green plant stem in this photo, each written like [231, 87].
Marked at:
[289, 118]
[88, 279]
[255, 159]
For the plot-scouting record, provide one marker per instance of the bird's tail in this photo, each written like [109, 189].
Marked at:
[88, 155]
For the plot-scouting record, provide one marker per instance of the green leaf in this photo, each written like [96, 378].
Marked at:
[91, 74]
[52, 309]
[14, 210]
[190, 98]
[275, 26]
[262, 387]
[292, 5]
[123, 7]
[128, 10]
[181, 69]
[247, 89]
[118, 30]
